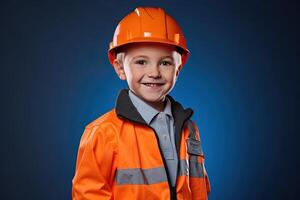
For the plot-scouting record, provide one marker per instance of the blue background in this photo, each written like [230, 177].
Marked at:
[242, 80]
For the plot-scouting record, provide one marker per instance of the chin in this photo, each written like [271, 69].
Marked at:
[151, 98]
[154, 99]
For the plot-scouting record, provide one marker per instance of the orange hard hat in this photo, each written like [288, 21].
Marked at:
[148, 24]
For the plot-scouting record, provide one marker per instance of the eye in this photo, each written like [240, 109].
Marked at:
[166, 63]
[140, 62]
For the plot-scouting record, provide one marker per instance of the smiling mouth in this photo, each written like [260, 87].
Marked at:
[153, 84]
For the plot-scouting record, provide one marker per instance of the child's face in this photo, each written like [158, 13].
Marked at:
[150, 70]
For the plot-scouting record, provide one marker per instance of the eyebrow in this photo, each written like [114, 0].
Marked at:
[144, 56]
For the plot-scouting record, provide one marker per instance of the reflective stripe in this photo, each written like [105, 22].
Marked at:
[191, 168]
[183, 168]
[141, 176]
[196, 169]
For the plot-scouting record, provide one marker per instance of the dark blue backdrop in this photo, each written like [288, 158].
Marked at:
[241, 80]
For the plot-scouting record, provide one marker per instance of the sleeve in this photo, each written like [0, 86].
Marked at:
[208, 189]
[207, 181]
[95, 166]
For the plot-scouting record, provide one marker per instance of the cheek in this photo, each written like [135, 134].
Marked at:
[132, 74]
[128, 72]
[170, 75]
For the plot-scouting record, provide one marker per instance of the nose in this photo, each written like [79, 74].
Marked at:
[154, 72]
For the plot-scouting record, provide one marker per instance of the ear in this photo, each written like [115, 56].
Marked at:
[178, 70]
[119, 69]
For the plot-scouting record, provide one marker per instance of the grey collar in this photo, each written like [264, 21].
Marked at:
[147, 111]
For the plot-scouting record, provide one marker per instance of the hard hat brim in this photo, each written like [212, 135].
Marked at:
[114, 49]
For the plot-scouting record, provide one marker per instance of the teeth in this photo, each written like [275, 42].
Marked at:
[152, 84]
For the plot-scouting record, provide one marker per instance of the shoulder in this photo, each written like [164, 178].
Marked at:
[107, 118]
[103, 128]
[176, 105]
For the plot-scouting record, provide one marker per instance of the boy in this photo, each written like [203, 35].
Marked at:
[146, 147]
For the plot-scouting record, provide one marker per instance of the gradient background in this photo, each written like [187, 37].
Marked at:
[242, 80]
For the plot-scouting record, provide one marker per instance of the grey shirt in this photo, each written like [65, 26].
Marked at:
[163, 124]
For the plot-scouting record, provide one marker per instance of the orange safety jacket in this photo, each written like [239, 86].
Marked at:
[119, 158]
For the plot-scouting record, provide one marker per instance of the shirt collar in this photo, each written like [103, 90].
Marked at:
[125, 109]
[145, 110]
[168, 108]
